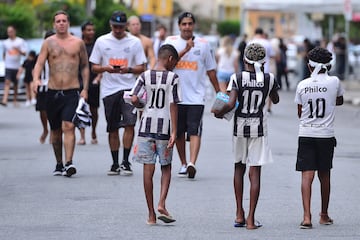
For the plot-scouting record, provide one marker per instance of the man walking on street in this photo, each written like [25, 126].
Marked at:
[197, 61]
[116, 55]
[66, 56]
[14, 48]
[88, 36]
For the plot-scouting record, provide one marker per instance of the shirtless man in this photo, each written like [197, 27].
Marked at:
[134, 27]
[65, 54]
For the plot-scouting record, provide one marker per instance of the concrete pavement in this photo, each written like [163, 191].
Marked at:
[91, 205]
[352, 94]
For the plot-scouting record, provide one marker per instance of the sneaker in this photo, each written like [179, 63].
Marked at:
[33, 101]
[27, 103]
[58, 170]
[69, 170]
[114, 170]
[183, 171]
[125, 168]
[191, 170]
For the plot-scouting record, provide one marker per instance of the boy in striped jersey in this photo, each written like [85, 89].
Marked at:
[316, 98]
[251, 88]
[158, 124]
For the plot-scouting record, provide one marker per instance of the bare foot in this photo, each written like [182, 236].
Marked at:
[163, 210]
[152, 219]
[253, 225]
[325, 219]
[240, 217]
[93, 135]
[81, 142]
[94, 141]
[43, 137]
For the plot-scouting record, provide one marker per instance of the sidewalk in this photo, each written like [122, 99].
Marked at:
[352, 92]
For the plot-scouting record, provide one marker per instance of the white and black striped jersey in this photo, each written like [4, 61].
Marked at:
[250, 116]
[44, 77]
[317, 96]
[162, 88]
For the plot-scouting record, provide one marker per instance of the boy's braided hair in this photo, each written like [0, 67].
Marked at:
[255, 52]
[320, 55]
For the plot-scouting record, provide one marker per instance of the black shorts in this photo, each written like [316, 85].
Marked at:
[190, 119]
[94, 95]
[61, 106]
[118, 113]
[10, 74]
[315, 153]
[41, 98]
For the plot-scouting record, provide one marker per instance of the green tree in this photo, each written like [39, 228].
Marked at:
[229, 27]
[339, 27]
[45, 12]
[20, 15]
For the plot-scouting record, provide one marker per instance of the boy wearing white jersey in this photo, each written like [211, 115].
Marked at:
[158, 124]
[117, 56]
[197, 61]
[316, 98]
[252, 89]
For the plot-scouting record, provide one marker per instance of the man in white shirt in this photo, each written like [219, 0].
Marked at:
[14, 48]
[116, 55]
[197, 61]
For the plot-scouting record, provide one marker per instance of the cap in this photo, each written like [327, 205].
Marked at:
[186, 15]
[118, 18]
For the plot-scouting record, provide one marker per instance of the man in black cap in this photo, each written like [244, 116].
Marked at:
[116, 55]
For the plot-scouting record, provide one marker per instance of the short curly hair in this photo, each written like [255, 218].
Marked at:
[320, 55]
[255, 52]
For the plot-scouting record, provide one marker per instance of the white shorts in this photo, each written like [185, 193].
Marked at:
[252, 151]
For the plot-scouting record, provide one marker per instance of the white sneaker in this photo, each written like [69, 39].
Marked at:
[33, 101]
[69, 170]
[27, 103]
[191, 170]
[183, 171]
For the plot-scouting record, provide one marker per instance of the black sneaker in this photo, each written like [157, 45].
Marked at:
[114, 170]
[69, 170]
[125, 168]
[58, 169]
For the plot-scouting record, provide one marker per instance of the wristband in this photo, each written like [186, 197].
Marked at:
[130, 70]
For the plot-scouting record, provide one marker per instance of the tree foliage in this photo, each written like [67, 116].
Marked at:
[21, 16]
[339, 27]
[45, 12]
[229, 27]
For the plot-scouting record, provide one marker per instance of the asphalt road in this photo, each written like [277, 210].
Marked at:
[35, 205]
